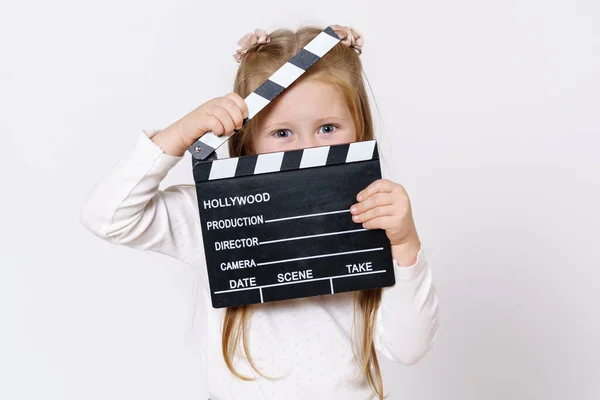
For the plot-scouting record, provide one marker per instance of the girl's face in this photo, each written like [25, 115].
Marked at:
[308, 114]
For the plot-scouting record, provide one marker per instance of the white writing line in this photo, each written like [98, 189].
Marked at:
[319, 256]
[261, 298]
[295, 282]
[310, 236]
[331, 284]
[306, 216]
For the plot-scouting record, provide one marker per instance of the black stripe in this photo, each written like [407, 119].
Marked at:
[269, 90]
[337, 154]
[291, 160]
[304, 59]
[245, 165]
[375, 153]
[331, 32]
[202, 170]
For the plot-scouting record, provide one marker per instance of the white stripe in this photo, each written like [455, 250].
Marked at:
[213, 140]
[303, 281]
[310, 236]
[255, 103]
[321, 44]
[306, 216]
[268, 163]
[320, 256]
[286, 75]
[224, 168]
[360, 151]
[314, 157]
[331, 284]
[261, 298]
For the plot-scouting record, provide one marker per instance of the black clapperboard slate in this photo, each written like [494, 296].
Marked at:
[277, 226]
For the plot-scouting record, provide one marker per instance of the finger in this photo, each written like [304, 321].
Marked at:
[225, 119]
[376, 200]
[380, 185]
[373, 213]
[214, 125]
[240, 103]
[384, 223]
[234, 112]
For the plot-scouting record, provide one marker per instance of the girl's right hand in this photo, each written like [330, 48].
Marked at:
[220, 115]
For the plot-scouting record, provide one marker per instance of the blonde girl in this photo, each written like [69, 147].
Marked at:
[323, 347]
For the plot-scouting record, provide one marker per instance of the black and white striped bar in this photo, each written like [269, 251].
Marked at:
[272, 87]
[286, 161]
[277, 226]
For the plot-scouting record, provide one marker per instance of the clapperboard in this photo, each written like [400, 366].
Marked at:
[277, 226]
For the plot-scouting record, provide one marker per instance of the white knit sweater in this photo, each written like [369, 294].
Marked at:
[305, 342]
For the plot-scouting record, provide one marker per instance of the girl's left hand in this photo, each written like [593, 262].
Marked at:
[386, 205]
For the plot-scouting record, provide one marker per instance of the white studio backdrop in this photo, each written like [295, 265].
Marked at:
[490, 117]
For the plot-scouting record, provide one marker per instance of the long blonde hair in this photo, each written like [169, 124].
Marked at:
[342, 67]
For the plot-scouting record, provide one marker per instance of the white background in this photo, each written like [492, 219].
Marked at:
[490, 112]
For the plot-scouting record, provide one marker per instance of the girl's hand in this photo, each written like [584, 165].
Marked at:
[220, 115]
[386, 205]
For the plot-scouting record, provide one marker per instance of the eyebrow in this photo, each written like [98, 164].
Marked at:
[286, 123]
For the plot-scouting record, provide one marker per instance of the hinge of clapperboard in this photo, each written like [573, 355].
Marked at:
[204, 148]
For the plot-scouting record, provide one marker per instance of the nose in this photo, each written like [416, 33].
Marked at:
[307, 140]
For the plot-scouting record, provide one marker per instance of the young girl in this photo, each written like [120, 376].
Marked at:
[323, 347]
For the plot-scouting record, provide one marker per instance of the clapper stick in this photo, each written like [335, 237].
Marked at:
[272, 87]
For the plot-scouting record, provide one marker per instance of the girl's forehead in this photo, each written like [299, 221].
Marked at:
[307, 99]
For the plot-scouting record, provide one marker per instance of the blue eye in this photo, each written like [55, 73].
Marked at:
[327, 128]
[282, 133]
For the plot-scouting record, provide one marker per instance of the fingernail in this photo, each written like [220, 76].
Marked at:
[353, 209]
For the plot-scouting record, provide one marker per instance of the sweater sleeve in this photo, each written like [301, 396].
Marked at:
[128, 208]
[407, 321]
